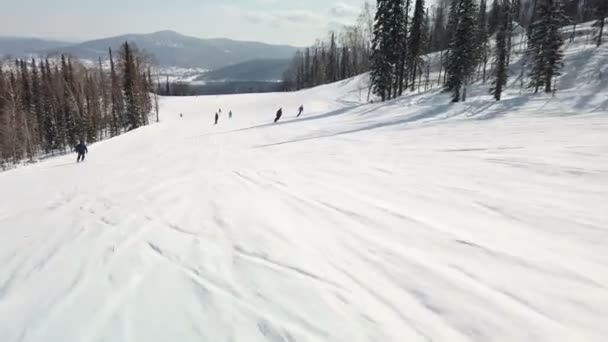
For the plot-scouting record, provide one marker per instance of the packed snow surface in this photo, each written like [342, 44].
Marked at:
[410, 220]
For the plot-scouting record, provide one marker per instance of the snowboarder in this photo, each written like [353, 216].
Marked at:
[217, 118]
[300, 110]
[81, 149]
[279, 114]
[230, 115]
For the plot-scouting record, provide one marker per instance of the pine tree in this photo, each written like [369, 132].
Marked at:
[545, 45]
[516, 10]
[332, 64]
[440, 39]
[494, 20]
[381, 68]
[105, 100]
[133, 111]
[401, 21]
[463, 52]
[36, 102]
[68, 105]
[599, 24]
[116, 120]
[440, 35]
[416, 40]
[51, 109]
[500, 60]
[483, 37]
[345, 63]
[453, 19]
[26, 110]
[14, 132]
[307, 69]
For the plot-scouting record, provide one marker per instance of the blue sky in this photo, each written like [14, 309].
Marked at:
[296, 22]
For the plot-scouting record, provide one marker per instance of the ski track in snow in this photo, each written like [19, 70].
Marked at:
[409, 220]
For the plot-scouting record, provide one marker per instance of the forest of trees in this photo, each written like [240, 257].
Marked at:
[461, 29]
[341, 56]
[472, 41]
[47, 106]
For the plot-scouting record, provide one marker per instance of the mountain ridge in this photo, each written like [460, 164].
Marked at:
[169, 47]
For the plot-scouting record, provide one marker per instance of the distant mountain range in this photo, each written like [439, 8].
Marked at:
[23, 47]
[169, 48]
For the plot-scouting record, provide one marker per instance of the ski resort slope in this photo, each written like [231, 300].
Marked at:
[409, 220]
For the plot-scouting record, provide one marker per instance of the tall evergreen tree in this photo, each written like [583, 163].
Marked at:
[381, 68]
[500, 56]
[67, 105]
[439, 31]
[105, 100]
[600, 23]
[494, 17]
[545, 45]
[400, 10]
[116, 119]
[345, 63]
[483, 37]
[132, 109]
[36, 102]
[463, 51]
[416, 40]
[47, 126]
[332, 64]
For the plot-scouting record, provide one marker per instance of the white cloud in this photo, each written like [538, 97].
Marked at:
[286, 18]
[343, 11]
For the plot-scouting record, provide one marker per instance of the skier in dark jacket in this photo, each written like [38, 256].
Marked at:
[81, 149]
[300, 110]
[217, 118]
[230, 115]
[279, 114]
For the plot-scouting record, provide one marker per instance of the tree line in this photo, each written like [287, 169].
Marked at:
[47, 106]
[340, 56]
[463, 36]
[470, 41]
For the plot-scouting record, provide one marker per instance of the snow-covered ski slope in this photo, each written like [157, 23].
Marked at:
[411, 220]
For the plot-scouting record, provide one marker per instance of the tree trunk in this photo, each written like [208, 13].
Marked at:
[419, 80]
[599, 36]
[440, 67]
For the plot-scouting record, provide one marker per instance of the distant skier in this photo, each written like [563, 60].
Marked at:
[279, 114]
[217, 118]
[181, 115]
[81, 149]
[300, 110]
[230, 115]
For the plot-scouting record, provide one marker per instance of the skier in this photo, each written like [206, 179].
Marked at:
[230, 115]
[279, 114]
[181, 115]
[81, 149]
[300, 110]
[217, 118]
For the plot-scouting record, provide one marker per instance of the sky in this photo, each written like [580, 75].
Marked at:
[295, 22]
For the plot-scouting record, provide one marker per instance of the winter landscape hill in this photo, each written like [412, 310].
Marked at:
[409, 220]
